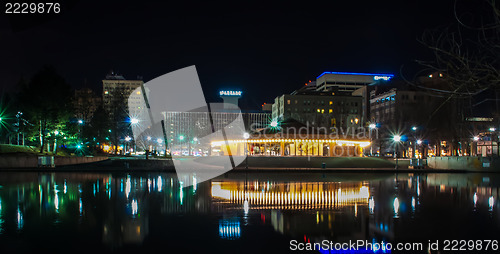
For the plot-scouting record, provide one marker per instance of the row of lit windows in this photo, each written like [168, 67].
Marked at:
[386, 99]
[339, 103]
[106, 92]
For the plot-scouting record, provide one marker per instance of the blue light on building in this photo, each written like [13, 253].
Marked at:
[375, 76]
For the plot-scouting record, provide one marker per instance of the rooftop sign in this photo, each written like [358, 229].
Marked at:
[380, 76]
[230, 93]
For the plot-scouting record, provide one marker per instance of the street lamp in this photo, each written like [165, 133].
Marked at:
[134, 121]
[493, 129]
[274, 123]
[80, 121]
[372, 126]
[396, 139]
[414, 128]
[246, 135]
[56, 132]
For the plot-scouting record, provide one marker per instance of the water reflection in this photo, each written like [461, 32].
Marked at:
[119, 210]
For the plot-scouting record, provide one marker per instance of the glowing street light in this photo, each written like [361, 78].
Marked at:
[414, 128]
[419, 141]
[127, 138]
[149, 138]
[396, 138]
[134, 121]
[274, 123]
[159, 141]
[246, 135]
[372, 126]
[476, 138]
[56, 132]
[181, 137]
[80, 121]
[195, 139]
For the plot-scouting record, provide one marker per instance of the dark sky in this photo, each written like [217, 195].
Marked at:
[261, 48]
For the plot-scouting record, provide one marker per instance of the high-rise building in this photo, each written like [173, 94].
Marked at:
[185, 129]
[116, 91]
[334, 100]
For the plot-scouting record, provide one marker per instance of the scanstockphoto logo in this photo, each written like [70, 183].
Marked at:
[159, 106]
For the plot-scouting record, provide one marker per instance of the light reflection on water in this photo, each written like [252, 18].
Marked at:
[116, 211]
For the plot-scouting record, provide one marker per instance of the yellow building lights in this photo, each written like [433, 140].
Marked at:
[280, 140]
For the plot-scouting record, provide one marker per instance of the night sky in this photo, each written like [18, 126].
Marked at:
[260, 48]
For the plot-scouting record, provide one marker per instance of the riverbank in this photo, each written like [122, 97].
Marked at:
[251, 164]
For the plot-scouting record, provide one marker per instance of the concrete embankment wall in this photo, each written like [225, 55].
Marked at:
[25, 161]
[464, 162]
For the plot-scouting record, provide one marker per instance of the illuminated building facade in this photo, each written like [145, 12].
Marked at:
[289, 145]
[320, 109]
[334, 100]
[116, 91]
[184, 129]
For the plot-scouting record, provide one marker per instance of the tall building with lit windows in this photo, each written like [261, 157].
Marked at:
[184, 129]
[116, 91]
[333, 100]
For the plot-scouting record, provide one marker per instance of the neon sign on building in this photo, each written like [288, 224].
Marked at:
[230, 93]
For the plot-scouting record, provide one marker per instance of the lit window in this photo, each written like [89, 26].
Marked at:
[288, 102]
[318, 110]
[138, 92]
[330, 111]
[331, 102]
[322, 111]
[356, 120]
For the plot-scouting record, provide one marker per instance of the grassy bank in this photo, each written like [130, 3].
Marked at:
[6, 149]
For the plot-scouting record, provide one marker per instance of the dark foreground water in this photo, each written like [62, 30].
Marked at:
[247, 213]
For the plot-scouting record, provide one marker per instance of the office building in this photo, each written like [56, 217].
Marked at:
[116, 91]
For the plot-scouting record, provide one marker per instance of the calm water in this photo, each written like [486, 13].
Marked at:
[239, 213]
